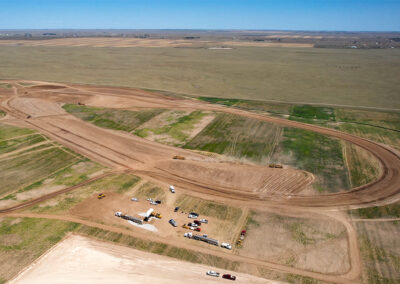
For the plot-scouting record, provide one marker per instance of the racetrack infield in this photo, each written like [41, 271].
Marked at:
[43, 103]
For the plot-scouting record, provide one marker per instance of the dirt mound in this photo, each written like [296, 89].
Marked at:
[244, 177]
[47, 87]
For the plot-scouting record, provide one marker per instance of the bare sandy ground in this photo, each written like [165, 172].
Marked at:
[81, 260]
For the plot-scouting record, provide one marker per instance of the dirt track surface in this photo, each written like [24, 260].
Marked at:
[125, 151]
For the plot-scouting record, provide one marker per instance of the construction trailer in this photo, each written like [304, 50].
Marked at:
[129, 218]
[206, 239]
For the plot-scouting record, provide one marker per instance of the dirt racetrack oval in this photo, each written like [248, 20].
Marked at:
[43, 104]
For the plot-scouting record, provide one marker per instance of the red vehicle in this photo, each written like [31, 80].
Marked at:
[243, 233]
[198, 229]
[228, 276]
[197, 222]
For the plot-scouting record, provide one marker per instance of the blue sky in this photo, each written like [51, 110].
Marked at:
[353, 15]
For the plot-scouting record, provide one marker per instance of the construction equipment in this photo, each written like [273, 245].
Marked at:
[156, 215]
[276, 166]
[129, 218]
[101, 196]
[177, 157]
[185, 226]
[205, 239]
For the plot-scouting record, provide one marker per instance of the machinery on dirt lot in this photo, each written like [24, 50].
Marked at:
[177, 157]
[276, 166]
[156, 215]
[203, 238]
[129, 218]
[101, 196]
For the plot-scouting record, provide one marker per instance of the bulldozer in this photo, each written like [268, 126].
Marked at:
[177, 157]
[156, 215]
[101, 196]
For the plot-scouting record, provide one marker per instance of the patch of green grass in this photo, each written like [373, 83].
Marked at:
[380, 119]
[125, 120]
[387, 211]
[296, 230]
[379, 251]
[178, 130]
[8, 132]
[2, 113]
[236, 136]
[316, 153]
[19, 143]
[5, 85]
[380, 135]
[363, 166]
[118, 183]
[251, 221]
[313, 112]
[209, 208]
[25, 169]
[23, 241]
[293, 278]
[127, 185]
[149, 190]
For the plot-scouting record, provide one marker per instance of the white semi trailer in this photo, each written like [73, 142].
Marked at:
[130, 218]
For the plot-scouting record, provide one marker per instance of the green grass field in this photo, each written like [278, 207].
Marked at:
[379, 251]
[237, 136]
[316, 153]
[23, 240]
[111, 118]
[332, 76]
[209, 208]
[118, 183]
[149, 190]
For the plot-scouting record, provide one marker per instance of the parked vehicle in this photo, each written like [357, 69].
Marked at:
[197, 222]
[228, 276]
[158, 201]
[172, 188]
[193, 215]
[226, 245]
[176, 209]
[153, 203]
[192, 225]
[101, 196]
[134, 199]
[212, 273]
[173, 223]
[188, 235]
[205, 221]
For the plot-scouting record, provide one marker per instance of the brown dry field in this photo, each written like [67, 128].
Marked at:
[135, 42]
[78, 259]
[208, 177]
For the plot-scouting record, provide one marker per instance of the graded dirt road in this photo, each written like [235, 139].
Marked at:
[124, 151]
